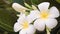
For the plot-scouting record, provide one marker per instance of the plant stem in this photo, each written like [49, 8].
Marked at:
[47, 30]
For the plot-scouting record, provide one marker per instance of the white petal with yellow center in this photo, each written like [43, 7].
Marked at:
[27, 28]
[23, 21]
[25, 25]
[30, 30]
[44, 14]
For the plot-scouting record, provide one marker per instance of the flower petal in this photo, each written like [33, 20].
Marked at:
[33, 15]
[43, 6]
[21, 18]
[18, 7]
[31, 30]
[17, 27]
[22, 31]
[51, 23]
[54, 12]
[39, 24]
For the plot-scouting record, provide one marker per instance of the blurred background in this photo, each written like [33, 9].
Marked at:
[8, 15]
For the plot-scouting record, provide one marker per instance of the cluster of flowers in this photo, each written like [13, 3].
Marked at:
[41, 18]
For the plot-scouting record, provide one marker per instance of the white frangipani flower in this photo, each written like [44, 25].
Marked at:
[18, 7]
[44, 16]
[23, 25]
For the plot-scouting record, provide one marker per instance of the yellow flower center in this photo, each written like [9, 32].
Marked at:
[44, 14]
[25, 25]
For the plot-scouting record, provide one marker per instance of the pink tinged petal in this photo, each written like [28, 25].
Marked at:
[17, 27]
[51, 23]
[44, 6]
[33, 15]
[54, 12]
[39, 24]
[31, 30]
[22, 31]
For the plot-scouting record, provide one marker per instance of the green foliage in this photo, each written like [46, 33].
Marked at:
[19, 1]
[7, 20]
[58, 1]
[7, 17]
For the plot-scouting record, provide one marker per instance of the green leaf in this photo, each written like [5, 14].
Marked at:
[58, 1]
[27, 5]
[19, 1]
[34, 1]
[28, 2]
[7, 20]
